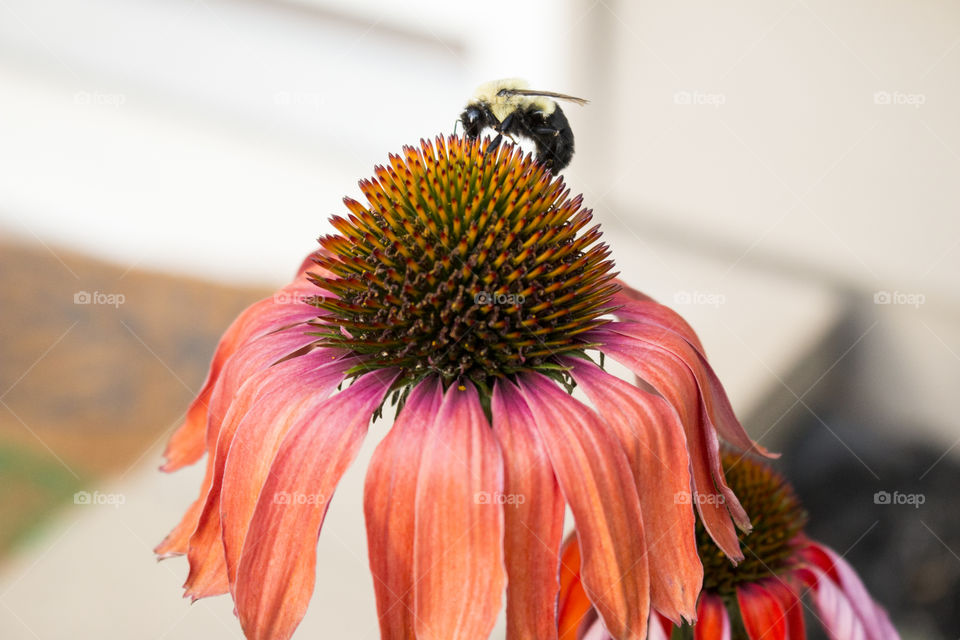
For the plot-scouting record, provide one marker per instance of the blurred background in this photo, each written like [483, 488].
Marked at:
[786, 174]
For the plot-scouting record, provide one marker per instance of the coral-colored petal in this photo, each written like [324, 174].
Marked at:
[715, 397]
[533, 519]
[266, 406]
[389, 492]
[285, 308]
[792, 607]
[177, 541]
[256, 355]
[458, 542]
[875, 621]
[187, 443]
[574, 605]
[597, 482]
[713, 621]
[278, 562]
[652, 437]
[639, 307]
[763, 617]
[674, 381]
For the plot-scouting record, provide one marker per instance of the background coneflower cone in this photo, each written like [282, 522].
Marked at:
[469, 290]
[761, 597]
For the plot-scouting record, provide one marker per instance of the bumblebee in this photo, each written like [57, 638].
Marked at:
[511, 108]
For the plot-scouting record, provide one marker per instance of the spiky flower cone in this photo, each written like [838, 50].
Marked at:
[464, 266]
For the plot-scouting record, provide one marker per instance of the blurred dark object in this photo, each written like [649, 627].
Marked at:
[890, 507]
[97, 365]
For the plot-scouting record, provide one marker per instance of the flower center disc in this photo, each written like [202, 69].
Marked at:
[777, 517]
[463, 264]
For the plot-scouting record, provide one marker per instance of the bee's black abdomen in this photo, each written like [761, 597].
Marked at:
[556, 148]
[552, 135]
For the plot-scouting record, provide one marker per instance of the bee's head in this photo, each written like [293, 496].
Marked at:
[474, 120]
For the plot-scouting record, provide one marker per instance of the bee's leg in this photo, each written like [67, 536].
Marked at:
[547, 131]
[494, 144]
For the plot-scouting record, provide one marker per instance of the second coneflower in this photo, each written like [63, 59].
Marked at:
[762, 597]
[471, 290]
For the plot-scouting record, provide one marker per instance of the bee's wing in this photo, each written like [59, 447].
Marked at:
[548, 94]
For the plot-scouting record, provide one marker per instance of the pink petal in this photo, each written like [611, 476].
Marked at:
[266, 406]
[660, 627]
[713, 622]
[458, 542]
[652, 437]
[390, 490]
[596, 481]
[277, 565]
[533, 519]
[834, 610]
[873, 617]
[763, 617]
[675, 382]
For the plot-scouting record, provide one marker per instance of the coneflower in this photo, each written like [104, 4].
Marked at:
[470, 290]
[761, 598]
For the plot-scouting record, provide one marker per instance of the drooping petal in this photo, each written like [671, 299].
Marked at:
[574, 605]
[875, 621]
[389, 492]
[713, 621]
[596, 481]
[763, 617]
[652, 437]
[264, 408]
[533, 519]
[711, 390]
[177, 541]
[284, 308]
[674, 381]
[278, 561]
[458, 542]
[791, 605]
[639, 307]
[834, 610]
[252, 357]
